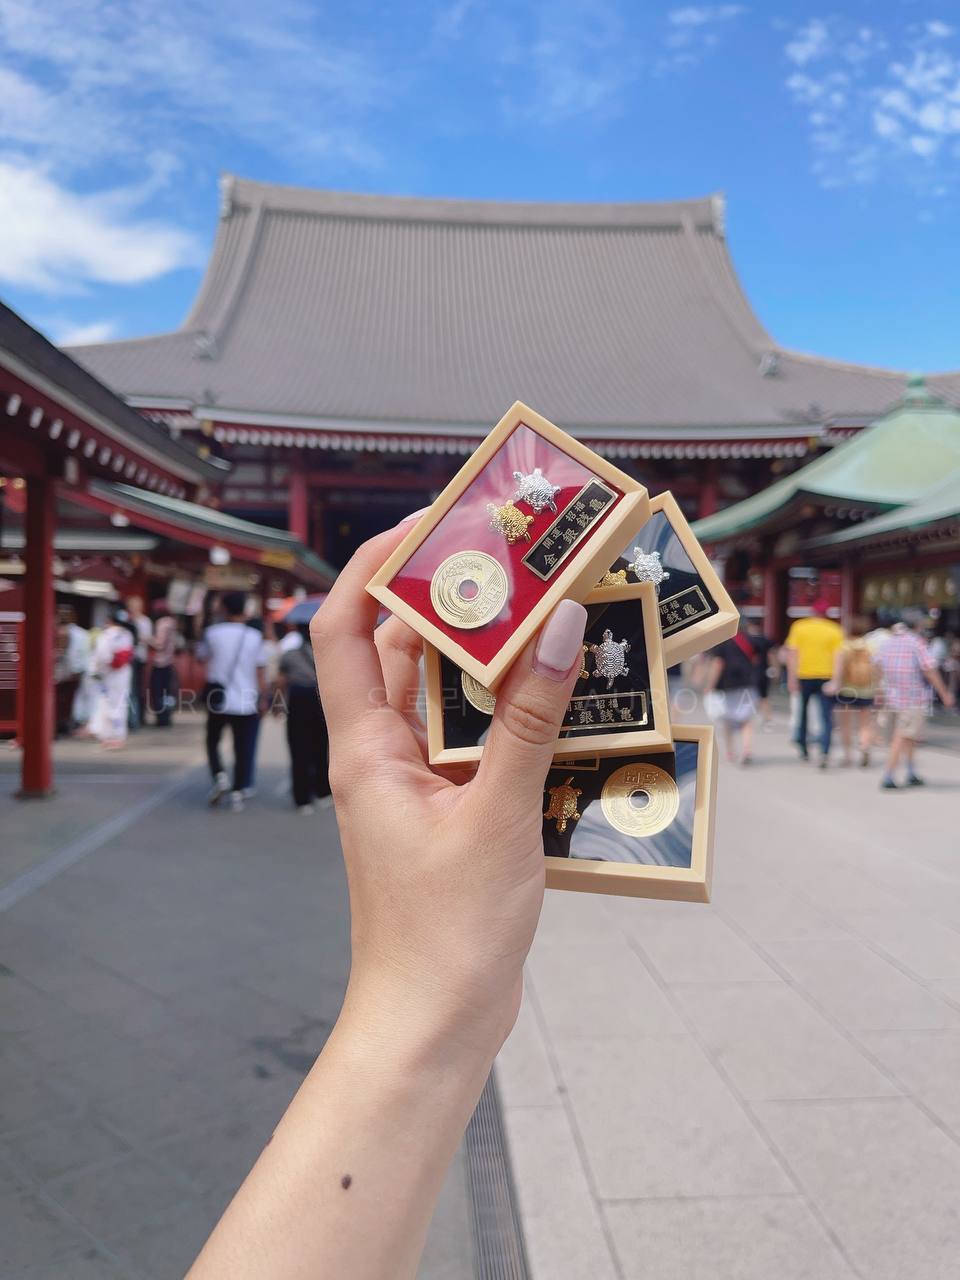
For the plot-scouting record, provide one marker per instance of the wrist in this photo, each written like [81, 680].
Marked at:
[431, 1026]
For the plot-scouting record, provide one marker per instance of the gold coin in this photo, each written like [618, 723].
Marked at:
[469, 589]
[654, 787]
[477, 694]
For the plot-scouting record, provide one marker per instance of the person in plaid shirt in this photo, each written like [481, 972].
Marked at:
[909, 672]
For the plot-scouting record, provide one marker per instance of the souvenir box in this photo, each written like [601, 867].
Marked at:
[532, 518]
[620, 701]
[639, 824]
[696, 612]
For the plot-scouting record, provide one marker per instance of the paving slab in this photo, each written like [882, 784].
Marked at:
[773, 1044]
[883, 1175]
[658, 1120]
[562, 1224]
[168, 974]
[753, 1238]
[776, 1094]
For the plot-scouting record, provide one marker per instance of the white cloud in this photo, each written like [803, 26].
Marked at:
[812, 41]
[700, 16]
[693, 32]
[56, 241]
[872, 100]
[567, 61]
[118, 77]
[117, 99]
[67, 334]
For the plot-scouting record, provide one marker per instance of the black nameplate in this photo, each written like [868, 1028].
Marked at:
[606, 712]
[569, 529]
[683, 609]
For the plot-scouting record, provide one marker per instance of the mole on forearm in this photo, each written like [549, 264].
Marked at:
[345, 1181]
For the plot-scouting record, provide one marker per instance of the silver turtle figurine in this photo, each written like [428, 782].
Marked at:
[608, 658]
[646, 565]
[535, 490]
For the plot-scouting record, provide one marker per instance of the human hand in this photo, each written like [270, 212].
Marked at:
[446, 880]
[793, 686]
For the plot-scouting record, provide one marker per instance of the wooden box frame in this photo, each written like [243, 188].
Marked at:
[600, 744]
[680, 884]
[709, 631]
[572, 582]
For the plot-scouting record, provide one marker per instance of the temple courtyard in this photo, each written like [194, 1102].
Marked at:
[763, 1087]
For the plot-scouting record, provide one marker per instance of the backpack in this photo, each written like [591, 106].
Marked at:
[858, 671]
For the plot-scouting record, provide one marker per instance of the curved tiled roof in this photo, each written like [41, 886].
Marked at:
[610, 318]
[895, 461]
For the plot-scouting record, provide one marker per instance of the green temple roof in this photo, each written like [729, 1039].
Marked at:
[895, 461]
[942, 502]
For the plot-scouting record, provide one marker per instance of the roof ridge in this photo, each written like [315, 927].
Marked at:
[242, 193]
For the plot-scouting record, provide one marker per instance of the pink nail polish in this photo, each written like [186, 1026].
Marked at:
[414, 515]
[560, 641]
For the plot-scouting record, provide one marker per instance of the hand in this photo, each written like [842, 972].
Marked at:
[793, 686]
[949, 700]
[446, 881]
[830, 688]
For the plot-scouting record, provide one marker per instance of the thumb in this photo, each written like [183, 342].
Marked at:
[530, 707]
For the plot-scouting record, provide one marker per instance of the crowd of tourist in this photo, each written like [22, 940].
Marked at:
[121, 676]
[869, 683]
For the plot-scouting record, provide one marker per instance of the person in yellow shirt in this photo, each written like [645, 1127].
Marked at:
[811, 649]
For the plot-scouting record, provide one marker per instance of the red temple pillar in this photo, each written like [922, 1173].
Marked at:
[319, 529]
[774, 602]
[36, 779]
[298, 505]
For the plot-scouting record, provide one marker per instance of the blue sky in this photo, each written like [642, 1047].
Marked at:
[834, 132]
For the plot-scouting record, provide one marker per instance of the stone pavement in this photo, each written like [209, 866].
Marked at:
[765, 1088]
[167, 975]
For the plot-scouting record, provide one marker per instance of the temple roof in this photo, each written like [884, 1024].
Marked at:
[896, 461]
[25, 353]
[939, 504]
[321, 308]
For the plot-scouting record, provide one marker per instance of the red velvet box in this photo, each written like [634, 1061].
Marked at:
[532, 518]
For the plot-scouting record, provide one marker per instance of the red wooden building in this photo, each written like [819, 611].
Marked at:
[91, 490]
[345, 352]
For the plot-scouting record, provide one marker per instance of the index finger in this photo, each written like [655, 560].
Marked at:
[349, 674]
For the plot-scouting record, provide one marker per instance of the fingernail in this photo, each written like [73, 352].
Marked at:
[560, 641]
[414, 515]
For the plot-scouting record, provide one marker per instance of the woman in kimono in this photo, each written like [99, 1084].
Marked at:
[112, 668]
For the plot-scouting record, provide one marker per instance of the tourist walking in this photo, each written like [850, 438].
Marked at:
[233, 695]
[730, 694]
[112, 669]
[306, 727]
[811, 648]
[763, 647]
[854, 690]
[142, 629]
[163, 673]
[909, 676]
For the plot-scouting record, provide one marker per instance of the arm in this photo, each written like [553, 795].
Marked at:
[714, 672]
[791, 656]
[833, 684]
[347, 1185]
[935, 680]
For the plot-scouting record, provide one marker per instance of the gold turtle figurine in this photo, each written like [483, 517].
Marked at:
[563, 804]
[509, 521]
[611, 579]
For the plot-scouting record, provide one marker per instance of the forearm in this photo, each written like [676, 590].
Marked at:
[348, 1183]
[935, 680]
